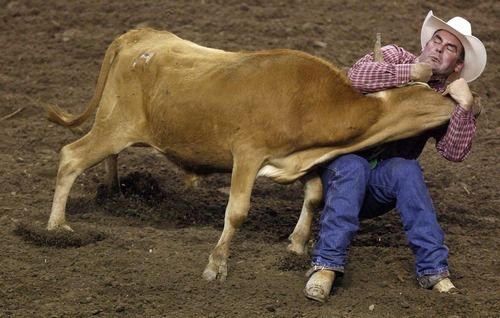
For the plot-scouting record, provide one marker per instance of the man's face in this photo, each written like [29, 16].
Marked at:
[442, 52]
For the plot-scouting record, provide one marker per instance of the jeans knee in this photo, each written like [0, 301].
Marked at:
[350, 162]
[347, 167]
[405, 169]
[403, 163]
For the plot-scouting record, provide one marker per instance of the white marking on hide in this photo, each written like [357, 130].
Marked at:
[146, 56]
[382, 95]
[280, 175]
[270, 172]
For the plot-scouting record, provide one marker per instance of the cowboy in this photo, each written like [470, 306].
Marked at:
[373, 182]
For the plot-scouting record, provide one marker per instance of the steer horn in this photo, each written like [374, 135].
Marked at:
[377, 50]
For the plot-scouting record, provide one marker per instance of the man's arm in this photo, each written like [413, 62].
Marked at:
[368, 76]
[456, 143]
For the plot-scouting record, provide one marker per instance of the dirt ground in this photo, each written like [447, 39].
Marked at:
[142, 254]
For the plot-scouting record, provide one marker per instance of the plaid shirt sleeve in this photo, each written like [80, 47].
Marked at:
[368, 76]
[456, 143]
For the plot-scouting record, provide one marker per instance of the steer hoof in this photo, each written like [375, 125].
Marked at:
[61, 227]
[298, 249]
[213, 272]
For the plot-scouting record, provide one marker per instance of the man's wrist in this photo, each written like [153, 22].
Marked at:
[463, 112]
[466, 104]
[403, 73]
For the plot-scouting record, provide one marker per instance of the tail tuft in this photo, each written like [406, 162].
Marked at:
[63, 118]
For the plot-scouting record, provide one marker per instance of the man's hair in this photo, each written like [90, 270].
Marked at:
[462, 55]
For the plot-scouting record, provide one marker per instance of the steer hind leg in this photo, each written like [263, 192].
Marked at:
[313, 195]
[112, 179]
[242, 181]
[75, 159]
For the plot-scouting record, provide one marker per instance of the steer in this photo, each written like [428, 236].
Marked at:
[276, 114]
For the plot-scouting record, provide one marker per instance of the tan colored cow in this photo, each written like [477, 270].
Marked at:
[275, 114]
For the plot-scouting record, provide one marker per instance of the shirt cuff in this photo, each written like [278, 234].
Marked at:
[463, 113]
[403, 73]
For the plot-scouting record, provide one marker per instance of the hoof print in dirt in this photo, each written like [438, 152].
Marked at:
[59, 238]
[139, 185]
[294, 262]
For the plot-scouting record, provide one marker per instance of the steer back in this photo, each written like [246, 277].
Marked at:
[202, 106]
[271, 113]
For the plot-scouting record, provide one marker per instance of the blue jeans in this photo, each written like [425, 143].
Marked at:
[351, 190]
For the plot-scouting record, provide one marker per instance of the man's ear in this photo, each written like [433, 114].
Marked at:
[459, 66]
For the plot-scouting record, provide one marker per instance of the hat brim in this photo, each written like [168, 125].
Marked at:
[475, 52]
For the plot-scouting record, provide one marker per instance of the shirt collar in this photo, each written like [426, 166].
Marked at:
[437, 81]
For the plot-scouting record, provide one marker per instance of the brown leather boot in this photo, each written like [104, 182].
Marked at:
[319, 285]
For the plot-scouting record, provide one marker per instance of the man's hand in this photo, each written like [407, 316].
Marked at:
[459, 90]
[420, 72]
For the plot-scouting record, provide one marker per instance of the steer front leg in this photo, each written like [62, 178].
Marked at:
[242, 181]
[313, 194]
[217, 261]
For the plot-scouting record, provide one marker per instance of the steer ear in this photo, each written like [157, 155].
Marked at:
[377, 50]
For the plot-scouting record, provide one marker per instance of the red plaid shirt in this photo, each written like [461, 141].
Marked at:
[453, 141]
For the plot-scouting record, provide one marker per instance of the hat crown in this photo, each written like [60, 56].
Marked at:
[461, 25]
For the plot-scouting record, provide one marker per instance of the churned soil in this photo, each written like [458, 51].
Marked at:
[141, 254]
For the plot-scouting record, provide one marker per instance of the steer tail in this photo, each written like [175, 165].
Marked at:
[65, 119]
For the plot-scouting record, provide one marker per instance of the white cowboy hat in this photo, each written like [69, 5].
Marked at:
[475, 52]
